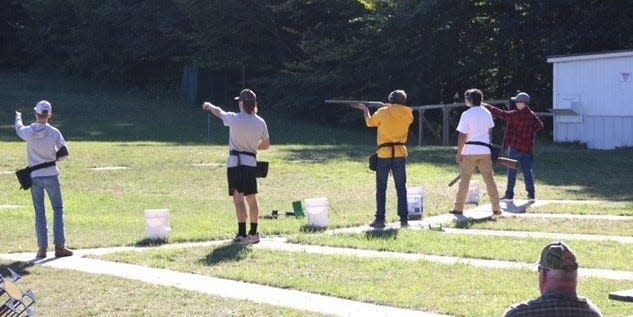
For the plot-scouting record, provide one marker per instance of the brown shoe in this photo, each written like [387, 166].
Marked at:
[41, 253]
[497, 212]
[61, 251]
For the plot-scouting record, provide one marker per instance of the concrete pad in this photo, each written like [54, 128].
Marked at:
[624, 296]
[109, 168]
[572, 216]
[228, 288]
[9, 206]
[497, 264]
[539, 235]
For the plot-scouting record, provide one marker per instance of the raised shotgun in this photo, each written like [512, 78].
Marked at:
[368, 103]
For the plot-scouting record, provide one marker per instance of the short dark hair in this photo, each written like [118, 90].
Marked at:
[398, 96]
[474, 95]
[249, 106]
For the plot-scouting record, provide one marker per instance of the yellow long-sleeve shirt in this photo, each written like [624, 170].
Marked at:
[392, 121]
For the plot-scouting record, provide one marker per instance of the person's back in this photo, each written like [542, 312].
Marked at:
[558, 279]
[555, 304]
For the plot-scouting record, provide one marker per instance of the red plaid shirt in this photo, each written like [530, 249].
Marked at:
[521, 127]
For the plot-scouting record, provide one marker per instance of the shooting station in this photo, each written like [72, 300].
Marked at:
[591, 98]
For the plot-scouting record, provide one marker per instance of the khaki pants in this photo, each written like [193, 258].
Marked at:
[484, 163]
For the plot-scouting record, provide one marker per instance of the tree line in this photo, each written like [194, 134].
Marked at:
[296, 53]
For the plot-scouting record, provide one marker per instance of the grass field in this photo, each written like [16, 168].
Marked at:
[172, 163]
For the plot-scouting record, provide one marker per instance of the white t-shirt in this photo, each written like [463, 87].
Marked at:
[245, 131]
[476, 123]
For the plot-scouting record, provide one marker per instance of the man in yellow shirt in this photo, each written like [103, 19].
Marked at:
[393, 121]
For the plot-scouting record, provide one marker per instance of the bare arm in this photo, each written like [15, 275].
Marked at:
[461, 141]
[264, 144]
[217, 111]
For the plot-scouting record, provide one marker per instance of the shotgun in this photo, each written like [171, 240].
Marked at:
[509, 163]
[370, 104]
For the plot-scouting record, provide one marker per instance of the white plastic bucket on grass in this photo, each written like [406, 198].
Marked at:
[473, 192]
[317, 211]
[158, 223]
[415, 202]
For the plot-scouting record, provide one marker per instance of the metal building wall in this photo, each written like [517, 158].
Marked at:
[599, 88]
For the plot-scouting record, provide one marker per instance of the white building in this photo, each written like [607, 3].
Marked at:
[593, 99]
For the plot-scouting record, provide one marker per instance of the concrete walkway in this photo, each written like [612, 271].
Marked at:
[232, 289]
[215, 286]
[320, 303]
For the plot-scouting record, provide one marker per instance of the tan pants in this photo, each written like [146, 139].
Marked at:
[484, 163]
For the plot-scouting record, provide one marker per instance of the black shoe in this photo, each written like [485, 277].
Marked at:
[456, 212]
[377, 224]
[506, 199]
[404, 223]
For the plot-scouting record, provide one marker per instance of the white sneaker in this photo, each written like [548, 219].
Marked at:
[531, 200]
[253, 238]
[506, 199]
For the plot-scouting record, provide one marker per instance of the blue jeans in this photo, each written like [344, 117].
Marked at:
[525, 161]
[397, 167]
[53, 188]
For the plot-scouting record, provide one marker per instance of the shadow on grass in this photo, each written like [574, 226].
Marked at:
[388, 234]
[150, 242]
[21, 268]
[311, 229]
[227, 253]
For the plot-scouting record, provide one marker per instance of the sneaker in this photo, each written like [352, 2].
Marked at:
[253, 238]
[61, 251]
[404, 223]
[240, 239]
[531, 199]
[506, 199]
[41, 253]
[456, 212]
[377, 224]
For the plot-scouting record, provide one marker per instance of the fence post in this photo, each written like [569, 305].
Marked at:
[445, 127]
[420, 129]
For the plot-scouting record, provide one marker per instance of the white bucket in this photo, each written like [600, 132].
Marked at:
[473, 192]
[158, 223]
[415, 202]
[317, 211]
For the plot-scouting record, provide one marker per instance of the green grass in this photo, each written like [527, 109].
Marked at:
[592, 254]
[453, 289]
[162, 141]
[77, 294]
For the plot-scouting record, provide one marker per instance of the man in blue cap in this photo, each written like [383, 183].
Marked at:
[522, 125]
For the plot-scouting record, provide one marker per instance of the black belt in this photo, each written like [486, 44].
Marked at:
[237, 153]
[40, 166]
[392, 145]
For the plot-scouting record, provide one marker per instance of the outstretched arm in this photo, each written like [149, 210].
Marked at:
[217, 111]
[498, 113]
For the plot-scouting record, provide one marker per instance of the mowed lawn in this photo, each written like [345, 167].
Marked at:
[173, 159]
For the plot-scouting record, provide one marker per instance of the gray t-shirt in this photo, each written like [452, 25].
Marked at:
[42, 143]
[245, 132]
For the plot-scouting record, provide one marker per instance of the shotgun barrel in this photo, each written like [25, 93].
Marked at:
[368, 103]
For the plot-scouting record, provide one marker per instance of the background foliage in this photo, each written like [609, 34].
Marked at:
[296, 53]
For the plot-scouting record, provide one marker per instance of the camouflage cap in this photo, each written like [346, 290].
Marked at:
[558, 256]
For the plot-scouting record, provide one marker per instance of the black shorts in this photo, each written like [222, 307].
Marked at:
[242, 178]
